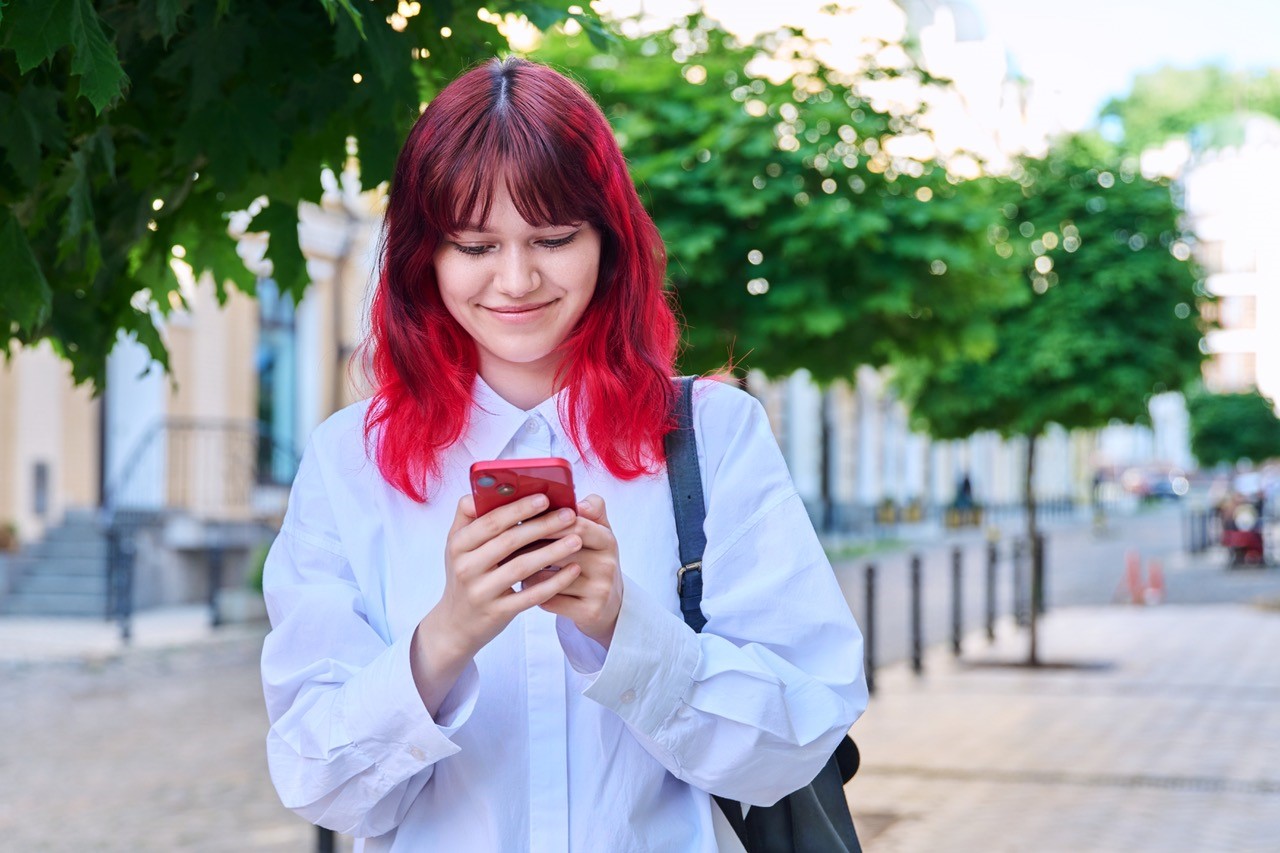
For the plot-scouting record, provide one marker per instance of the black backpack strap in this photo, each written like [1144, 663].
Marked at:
[684, 475]
[685, 478]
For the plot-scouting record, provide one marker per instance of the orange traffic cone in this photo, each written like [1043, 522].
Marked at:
[1155, 583]
[1133, 577]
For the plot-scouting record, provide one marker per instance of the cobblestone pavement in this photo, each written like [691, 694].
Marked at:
[1151, 729]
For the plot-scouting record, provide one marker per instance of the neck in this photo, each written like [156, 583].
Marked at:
[522, 385]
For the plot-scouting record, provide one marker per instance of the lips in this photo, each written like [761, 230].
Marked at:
[518, 313]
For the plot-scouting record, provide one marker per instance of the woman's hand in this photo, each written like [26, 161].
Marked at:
[478, 600]
[594, 598]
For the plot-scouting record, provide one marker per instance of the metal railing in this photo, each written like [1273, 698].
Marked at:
[213, 470]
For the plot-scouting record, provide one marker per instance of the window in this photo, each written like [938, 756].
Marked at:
[276, 362]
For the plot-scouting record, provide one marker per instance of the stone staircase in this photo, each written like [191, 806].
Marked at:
[65, 574]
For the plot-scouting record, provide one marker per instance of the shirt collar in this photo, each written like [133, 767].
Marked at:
[494, 422]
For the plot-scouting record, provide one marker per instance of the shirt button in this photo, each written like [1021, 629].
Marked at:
[627, 697]
[418, 755]
[531, 426]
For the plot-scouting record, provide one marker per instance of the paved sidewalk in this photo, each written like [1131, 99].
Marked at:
[159, 747]
[1165, 735]
[1158, 729]
[31, 639]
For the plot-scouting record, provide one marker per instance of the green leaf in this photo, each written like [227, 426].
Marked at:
[94, 58]
[78, 220]
[26, 295]
[280, 220]
[332, 6]
[167, 14]
[38, 30]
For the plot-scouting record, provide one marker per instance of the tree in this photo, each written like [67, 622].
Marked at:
[798, 233]
[1226, 428]
[1109, 314]
[129, 127]
[1171, 102]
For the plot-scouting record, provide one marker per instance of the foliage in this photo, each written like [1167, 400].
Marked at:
[794, 238]
[1110, 315]
[1231, 427]
[1171, 102]
[257, 566]
[128, 127]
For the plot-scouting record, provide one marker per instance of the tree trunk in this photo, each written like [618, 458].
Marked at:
[1033, 550]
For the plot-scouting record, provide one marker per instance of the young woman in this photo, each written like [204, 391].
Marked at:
[424, 692]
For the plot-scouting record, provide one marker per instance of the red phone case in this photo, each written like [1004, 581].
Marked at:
[499, 482]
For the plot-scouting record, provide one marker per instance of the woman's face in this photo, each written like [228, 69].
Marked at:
[517, 288]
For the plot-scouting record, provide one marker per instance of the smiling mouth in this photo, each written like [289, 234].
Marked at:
[518, 310]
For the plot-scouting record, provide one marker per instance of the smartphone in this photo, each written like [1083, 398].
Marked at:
[499, 482]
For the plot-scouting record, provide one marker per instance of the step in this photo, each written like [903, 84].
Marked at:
[72, 535]
[45, 604]
[81, 516]
[56, 547]
[59, 584]
[80, 566]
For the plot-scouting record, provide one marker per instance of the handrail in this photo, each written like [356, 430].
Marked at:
[234, 440]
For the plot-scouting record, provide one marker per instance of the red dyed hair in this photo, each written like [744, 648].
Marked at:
[550, 141]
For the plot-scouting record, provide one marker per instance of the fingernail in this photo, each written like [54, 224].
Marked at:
[565, 515]
[540, 501]
[574, 542]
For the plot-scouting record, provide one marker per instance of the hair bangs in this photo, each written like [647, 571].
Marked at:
[539, 177]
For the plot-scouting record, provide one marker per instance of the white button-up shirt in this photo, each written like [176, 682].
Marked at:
[548, 742]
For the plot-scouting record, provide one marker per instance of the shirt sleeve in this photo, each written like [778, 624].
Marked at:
[350, 745]
[751, 708]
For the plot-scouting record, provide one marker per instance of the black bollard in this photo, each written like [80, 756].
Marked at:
[957, 600]
[215, 583]
[992, 556]
[869, 631]
[1036, 604]
[917, 630]
[1037, 576]
[1019, 584]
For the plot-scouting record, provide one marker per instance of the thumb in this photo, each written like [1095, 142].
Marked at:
[592, 507]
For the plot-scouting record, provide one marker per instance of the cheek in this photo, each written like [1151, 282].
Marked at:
[454, 281]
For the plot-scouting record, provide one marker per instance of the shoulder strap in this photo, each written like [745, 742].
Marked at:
[685, 478]
[684, 475]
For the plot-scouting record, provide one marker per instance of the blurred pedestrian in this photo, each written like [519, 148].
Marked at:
[426, 693]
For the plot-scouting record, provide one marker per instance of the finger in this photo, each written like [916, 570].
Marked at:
[465, 514]
[548, 589]
[592, 507]
[555, 553]
[565, 605]
[492, 523]
[595, 537]
[550, 525]
[577, 590]
[539, 576]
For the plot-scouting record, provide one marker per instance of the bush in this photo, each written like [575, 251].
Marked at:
[259, 562]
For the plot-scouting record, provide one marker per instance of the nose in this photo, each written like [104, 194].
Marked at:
[518, 275]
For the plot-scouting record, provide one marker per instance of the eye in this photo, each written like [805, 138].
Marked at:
[559, 242]
[472, 250]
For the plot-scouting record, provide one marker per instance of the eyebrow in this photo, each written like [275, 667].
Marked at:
[480, 229]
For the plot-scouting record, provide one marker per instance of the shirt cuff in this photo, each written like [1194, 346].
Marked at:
[386, 719]
[650, 663]
[584, 654]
